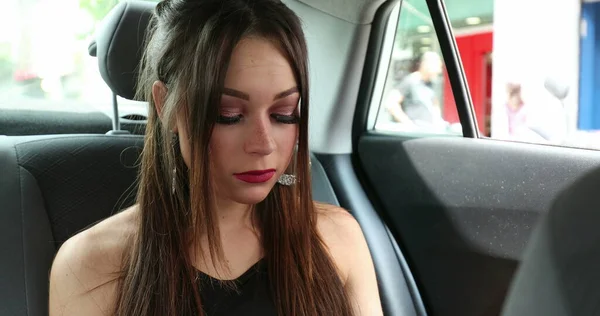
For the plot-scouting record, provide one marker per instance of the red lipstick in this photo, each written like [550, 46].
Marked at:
[256, 176]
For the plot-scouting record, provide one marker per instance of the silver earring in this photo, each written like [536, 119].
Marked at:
[174, 145]
[290, 179]
[174, 180]
[287, 179]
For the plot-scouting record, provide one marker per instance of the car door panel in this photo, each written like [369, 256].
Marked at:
[397, 289]
[463, 209]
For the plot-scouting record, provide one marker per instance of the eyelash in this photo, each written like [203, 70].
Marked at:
[283, 119]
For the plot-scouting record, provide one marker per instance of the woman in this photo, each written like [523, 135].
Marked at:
[225, 223]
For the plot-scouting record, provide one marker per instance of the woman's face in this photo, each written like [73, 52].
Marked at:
[254, 138]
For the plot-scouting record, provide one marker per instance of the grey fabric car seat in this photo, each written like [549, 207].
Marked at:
[560, 271]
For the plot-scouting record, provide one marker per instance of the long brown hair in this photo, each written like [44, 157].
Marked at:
[189, 44]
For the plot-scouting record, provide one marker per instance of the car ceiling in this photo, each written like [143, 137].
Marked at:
[363, 11]
[354, 11]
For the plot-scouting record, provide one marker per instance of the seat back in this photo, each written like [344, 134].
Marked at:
[52, 187]
[558, 274]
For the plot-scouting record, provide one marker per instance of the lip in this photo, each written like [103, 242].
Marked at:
[255, 176]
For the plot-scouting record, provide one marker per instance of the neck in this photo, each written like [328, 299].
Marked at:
[232, 220]
[237, 237]
[232, 215]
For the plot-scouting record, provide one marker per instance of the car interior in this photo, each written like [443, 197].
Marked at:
[447, 218]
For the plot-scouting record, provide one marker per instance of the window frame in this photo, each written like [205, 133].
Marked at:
[378, 59]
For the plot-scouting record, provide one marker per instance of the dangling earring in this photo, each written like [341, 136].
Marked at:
[174, 180]
[174, 142]
[289, 178]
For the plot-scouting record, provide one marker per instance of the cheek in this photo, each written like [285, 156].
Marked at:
[287, 139]
[223, 147]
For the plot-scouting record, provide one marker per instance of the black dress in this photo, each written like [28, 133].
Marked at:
[251, 295]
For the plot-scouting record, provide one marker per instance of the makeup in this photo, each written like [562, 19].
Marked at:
[256, 176]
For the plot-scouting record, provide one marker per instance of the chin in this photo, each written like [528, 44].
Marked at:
[252, 195]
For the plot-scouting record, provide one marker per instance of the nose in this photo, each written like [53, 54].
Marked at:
[259, 140]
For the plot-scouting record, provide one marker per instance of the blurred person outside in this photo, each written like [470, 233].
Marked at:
[413, 102]
[539, 118]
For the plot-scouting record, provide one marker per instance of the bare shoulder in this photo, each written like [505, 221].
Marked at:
[340, 232]
[348, 247]
[84, 271]
[335, 219]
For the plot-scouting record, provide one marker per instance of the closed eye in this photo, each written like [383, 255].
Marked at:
[229, 120]
[285, 119]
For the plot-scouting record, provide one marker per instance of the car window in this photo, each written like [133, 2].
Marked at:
[531, 80]
[414, 94]
[44, 60]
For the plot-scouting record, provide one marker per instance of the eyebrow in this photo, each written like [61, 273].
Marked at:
[245, 96]
[285, 93]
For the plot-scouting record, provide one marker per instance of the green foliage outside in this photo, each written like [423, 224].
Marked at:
[98, 8]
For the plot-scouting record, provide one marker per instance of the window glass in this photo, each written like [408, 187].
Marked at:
[416, 96]
[44, 61]
[532, 76]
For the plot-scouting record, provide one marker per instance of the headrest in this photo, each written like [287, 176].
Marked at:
[118, 44]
